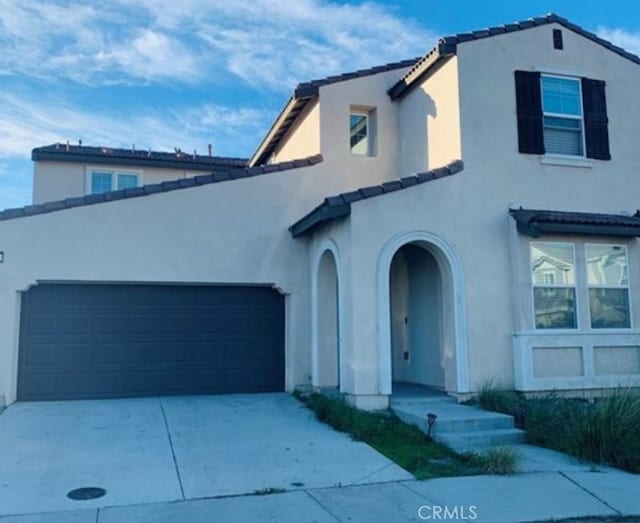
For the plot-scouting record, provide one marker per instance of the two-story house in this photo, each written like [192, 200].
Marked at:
[462, 217]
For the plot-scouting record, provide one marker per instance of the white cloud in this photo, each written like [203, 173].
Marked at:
[28, 123]
[264, 42]
[630, 41]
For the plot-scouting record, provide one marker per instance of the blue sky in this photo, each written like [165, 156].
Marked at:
[164, 73]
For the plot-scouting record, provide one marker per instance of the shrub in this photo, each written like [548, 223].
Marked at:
[500, 460]
[497, 400]
[605, 431]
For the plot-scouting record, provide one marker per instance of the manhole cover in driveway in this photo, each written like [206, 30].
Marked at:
[84, 493]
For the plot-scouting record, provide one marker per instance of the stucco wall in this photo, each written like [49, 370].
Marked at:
[303, 139]
[230, 232]
[335, 103]
[59, 180]
[429, 122]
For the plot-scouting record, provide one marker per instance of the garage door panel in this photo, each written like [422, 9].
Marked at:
[98, 341]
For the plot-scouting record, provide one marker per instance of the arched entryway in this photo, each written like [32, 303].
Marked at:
[421, 315]
[326, 350]
[416, 314]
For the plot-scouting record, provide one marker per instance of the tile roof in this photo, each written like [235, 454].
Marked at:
[146, 190]
[447, 47]
[535, 222]
[133, 157]
[302, 95]
[339, 206]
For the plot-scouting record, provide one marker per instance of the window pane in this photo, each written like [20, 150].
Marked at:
[555, 308]
[100, 182]
[561, 95]
[358, 126]
[125, 181]
[607, 265]
[609, 308]
[552, 263]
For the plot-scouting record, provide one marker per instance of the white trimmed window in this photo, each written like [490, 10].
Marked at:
[608, 283]
[554, 285]
[562, 118]
[584, 280]
[104, 180]
[362, 131]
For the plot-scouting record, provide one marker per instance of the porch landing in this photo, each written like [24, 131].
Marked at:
[457, 426]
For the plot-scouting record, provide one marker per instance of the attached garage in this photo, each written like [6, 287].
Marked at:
[85, 341]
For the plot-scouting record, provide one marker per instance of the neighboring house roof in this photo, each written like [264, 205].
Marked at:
[533, 222]
[302, 95]
[146, 190]
[339, 206]
[447, 47]
[132, 157]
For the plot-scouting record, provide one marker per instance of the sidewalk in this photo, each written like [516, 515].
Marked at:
[527, 497]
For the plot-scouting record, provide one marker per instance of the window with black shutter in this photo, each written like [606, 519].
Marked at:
[561, 115]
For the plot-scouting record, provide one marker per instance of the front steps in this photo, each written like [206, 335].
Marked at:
[459, 427]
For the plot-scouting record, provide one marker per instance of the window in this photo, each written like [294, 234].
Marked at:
[608, 282]
[599, 272]
[362, 131]
[104, 181]
[561, 115]
[554, 292]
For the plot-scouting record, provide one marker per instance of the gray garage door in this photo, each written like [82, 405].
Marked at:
[109, 341]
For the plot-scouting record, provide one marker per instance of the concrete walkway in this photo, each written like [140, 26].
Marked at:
[529, 497]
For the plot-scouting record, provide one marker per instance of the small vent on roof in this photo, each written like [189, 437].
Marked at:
[557, 39]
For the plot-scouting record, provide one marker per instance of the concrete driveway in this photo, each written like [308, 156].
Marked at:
[166, 449]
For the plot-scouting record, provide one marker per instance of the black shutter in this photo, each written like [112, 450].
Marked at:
[529, 107]
[596, 132]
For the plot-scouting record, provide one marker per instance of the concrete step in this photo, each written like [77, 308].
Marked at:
[474, 440]
[451, 417]
[460, 427]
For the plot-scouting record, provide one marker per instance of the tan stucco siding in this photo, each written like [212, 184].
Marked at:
[303, 139]
[429, 122]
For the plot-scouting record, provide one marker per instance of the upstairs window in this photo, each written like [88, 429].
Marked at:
[561, 115]
[362, 131]
[101, 181]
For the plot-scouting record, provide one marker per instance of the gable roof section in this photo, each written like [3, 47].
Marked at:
[146, 190]
[447, 47]
[334, 207]
[535, 222]
[302, 95]
[139, 158]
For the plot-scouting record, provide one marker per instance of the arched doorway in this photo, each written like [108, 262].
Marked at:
[326, 343]
[415, 294]
[421, 315]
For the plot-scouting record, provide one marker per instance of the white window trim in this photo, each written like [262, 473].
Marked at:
[114, 176]
[361, 112]
[599, 286]
[566, 160]
[556, 156]
[555, 286]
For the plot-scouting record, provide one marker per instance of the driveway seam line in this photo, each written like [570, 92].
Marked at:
[385, 467]
[326, 509]
[590, 493]
[173, 453]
